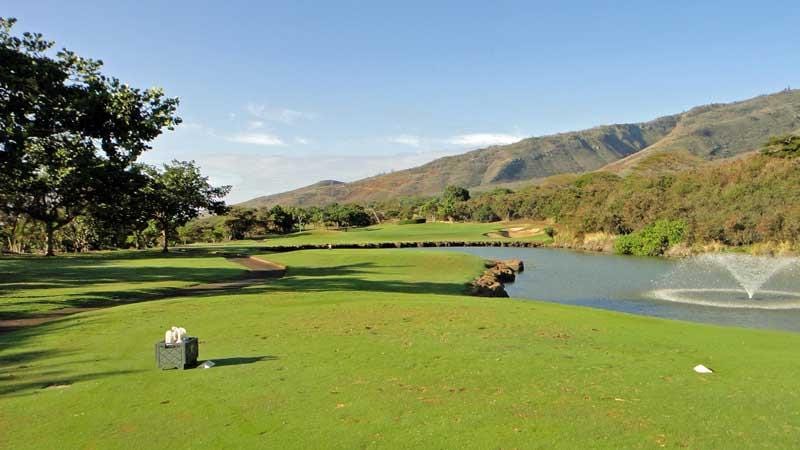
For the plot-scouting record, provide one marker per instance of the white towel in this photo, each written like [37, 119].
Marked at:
[168, 338]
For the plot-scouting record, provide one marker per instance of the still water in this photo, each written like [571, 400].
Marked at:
[632, 284]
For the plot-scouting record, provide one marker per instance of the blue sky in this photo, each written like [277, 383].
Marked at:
[278, 95]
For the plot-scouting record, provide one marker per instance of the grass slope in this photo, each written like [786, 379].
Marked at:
[438, 231]
[346, 352]
[31, 284]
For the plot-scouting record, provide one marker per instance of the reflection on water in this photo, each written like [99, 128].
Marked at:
[633, 285]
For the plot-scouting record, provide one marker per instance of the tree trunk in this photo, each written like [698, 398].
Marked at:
[139, 240]
[50, 230]
[12, 237]
[165, 248]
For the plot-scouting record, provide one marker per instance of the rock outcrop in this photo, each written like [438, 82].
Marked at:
[490, 283]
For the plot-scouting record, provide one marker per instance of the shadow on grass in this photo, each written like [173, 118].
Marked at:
[30, 286]
[46, 381]
[352, 277]
[221, 362]
[33, 371]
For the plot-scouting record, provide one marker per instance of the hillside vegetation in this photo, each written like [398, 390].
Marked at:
[737, 203]
[704, 133]
[666, 200]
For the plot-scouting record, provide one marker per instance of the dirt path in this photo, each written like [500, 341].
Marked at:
[258, 270]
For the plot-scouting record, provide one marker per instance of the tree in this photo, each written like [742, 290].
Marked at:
[452, 202]
[281, 220]
[179, 193]
[122, 216]
[429, 209]
[240, 222]
[68, 132]
[301, 216]
[455, 194]
[502, 203]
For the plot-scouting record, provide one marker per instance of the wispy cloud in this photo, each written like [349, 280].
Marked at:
[483, 139]
[405, 139]
[283, 115]
[302, 140]
[264, 139]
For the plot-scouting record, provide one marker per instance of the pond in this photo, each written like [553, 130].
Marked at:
[650, 286]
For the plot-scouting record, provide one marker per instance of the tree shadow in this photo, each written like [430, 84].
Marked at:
[54, 382]
[28, 284]
[352, 277]
[29, 371]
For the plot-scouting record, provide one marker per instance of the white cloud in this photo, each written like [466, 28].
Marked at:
[405, 139]
[301, 140]
[255, 124]
[283, 115]
[483, 139]
[265, 139]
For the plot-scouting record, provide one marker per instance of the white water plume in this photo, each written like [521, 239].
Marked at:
[731, 280]
[751, 272]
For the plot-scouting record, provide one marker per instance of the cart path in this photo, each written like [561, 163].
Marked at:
[258, 270]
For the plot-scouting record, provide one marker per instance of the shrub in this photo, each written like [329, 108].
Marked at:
[652, 240]
[412, 221]
[786, 146]
[484, 213]
[549, 231]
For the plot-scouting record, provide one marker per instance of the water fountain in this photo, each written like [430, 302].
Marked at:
[751, 272]
[704, 285]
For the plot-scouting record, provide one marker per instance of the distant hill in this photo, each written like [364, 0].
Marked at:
[725, 130]
[320, 193]
[704, 133]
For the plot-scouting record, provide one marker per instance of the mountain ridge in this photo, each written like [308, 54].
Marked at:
[708, 132]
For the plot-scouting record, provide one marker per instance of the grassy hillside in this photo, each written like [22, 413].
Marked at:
[706, 132]
[439, 231]
[725, 130]
[376, 349]
[321, 193]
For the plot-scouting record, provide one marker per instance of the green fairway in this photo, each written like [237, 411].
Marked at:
[30, 285]
[437, 231]
[376, 348]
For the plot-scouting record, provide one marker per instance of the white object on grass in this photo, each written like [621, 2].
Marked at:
[208, 365]
[702, 369]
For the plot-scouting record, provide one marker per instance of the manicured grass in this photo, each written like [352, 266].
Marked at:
[34, 284]
[376, 271]
[438, 231]
[347, 352]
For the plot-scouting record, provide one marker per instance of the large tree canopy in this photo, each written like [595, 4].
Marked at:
[69, 135]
